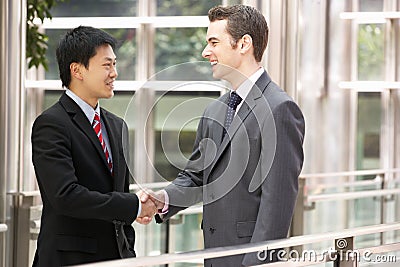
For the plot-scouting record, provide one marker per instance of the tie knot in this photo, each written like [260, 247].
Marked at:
[234, 100]
[96, 118]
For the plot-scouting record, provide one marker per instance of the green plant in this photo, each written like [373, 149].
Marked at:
[371, 52]
[36, 42]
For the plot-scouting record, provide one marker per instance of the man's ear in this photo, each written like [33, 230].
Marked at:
[76, 70]
[246, 43]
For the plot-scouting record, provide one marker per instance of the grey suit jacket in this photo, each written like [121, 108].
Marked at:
[248, 181]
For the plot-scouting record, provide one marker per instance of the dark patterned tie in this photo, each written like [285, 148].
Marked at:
[234, 101]
[97, 128]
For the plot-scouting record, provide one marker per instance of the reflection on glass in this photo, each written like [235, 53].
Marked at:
[371, 56]
[125, 51]
[185, 7]
[95, 8]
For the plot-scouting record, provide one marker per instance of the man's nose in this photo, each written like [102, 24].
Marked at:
[206, 52]
[114, 72]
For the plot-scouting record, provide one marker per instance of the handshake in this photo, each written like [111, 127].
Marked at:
[152, 202]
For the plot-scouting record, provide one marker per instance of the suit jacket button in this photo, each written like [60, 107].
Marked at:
[212, 230]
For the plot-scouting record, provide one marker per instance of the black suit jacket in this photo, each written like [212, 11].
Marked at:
[87, 211]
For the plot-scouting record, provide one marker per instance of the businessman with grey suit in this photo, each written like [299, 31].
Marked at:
[248, 151]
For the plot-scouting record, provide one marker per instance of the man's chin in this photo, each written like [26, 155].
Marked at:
[109, 95]
[216, 75]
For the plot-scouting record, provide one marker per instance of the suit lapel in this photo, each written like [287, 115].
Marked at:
[243, 112]
[83, 123]
[113, 139]
[219, 119]
[249, 104]
[237, 121]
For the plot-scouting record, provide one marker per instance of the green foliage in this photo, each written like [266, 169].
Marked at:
[36, 42]
[185, 7]
[181, 45]
[172, 45]
[371, 57]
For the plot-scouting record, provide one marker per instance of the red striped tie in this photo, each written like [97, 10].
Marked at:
[97, 128]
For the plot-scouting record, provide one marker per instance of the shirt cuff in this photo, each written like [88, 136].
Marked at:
[139, 208]
[166, 204]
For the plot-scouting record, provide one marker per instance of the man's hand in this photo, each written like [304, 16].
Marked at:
[157, 197]
[148, 208]
[155, 200]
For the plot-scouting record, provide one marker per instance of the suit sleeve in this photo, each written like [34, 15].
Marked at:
[52, 159]
[280, 185]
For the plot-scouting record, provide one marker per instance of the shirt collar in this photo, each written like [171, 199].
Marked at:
[244, 89]
[85, 107]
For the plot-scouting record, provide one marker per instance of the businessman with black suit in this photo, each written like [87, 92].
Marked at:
[248, 151]
[79, 161]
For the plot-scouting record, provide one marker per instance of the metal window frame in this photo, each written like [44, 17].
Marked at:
[387, 88]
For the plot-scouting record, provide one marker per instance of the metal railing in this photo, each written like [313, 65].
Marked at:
[379, 179]
[307, 201]
[30, 213]
[343, 240]
[311, 199]
[351, 195]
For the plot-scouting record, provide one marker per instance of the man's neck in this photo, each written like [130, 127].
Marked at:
[243, 75]
[91, 101]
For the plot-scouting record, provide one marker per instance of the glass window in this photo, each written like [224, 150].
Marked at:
[367, 210]
[54, 37]
[237, 2]
[370, 5]
[125, 51]
[371, 55]
[176, 116]
[185, 7]
[95, 8]
[51, 97]
[187, 236]
[180, 45]
[368, 130]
